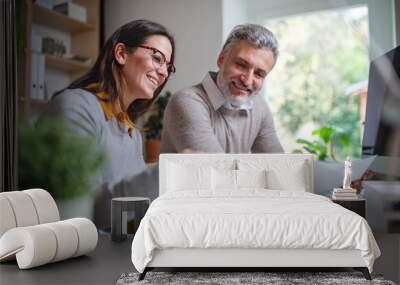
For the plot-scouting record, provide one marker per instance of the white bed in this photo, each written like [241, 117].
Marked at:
[247, 210]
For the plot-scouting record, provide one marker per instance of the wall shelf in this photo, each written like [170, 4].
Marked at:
[65, 64]
[81, 39]
[47, 17]
[39, 102]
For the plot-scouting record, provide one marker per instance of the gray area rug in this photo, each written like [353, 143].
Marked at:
[228, 278]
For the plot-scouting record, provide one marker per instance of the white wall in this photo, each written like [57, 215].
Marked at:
[381, 16]
[234, 12]
[397, 19]
[266, 9]
[196, 25]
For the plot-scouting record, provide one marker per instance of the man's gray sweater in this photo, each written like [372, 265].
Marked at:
[196, 118]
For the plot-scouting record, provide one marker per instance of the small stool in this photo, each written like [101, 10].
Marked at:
[120, 209]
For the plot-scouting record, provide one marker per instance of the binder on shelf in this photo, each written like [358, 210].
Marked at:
[37, 90]
[33, 94]
[40, 77]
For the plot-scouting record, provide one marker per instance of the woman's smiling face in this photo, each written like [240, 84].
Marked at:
[140, 70]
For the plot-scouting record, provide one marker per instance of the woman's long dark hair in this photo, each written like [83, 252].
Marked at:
[107, 71]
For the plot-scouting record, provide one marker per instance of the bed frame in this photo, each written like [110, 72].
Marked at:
[246, 259]
[249, 259]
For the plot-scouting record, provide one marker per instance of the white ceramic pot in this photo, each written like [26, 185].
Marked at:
[81, 206]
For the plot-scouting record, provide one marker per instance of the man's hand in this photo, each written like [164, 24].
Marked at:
[357, 184]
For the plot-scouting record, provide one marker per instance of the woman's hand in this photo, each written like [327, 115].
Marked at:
[189, 150]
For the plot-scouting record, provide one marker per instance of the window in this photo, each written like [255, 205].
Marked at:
[321, 75]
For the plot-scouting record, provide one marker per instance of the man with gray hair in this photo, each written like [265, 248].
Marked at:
[224, 113]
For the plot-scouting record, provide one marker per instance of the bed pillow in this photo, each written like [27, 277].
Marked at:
[251, 178]
[226, 179]
[295, 180]
[182, 178]
[223, 179]
[281, 174]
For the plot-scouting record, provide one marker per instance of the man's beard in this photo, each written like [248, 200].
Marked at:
[235, 100]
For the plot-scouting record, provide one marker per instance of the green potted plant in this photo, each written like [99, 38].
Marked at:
[329, 164]
[153, 127]
[58, 160]
[323, 144]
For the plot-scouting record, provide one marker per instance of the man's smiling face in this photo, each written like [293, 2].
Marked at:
[242, 70]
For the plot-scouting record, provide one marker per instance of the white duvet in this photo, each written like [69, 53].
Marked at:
[252, 218]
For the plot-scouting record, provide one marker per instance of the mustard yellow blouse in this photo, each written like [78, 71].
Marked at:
[105, 102]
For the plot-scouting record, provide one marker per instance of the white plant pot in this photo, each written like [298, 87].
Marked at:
[81, 206]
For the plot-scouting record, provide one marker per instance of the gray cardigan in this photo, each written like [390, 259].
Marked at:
[125, 172]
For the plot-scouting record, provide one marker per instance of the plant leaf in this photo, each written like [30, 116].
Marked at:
[325, 133]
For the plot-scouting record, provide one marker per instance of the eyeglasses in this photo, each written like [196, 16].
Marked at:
[159, 59]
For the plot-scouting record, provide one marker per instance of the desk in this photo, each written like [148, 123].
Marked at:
[102, 266]
[381, 197]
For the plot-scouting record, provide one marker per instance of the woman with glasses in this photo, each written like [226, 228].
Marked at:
[129, 74]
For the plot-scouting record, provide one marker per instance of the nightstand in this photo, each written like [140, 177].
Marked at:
[357, 206]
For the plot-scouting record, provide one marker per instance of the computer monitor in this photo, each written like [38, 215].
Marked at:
[382, 118]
